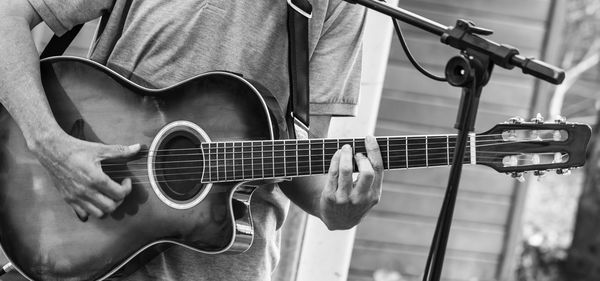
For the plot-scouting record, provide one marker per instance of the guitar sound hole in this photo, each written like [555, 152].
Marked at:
[178, 166]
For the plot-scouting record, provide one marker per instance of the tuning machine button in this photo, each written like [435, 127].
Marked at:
[560, 120]
[515, 120]
[538, 119]
[518, 176]
[564, 172]
[539, 173]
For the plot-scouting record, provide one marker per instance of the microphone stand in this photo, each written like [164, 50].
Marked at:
[471, 70]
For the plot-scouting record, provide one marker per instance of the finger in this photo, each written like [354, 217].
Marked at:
[374, 155]
[119, 151]
[91, 209]
[333, 173]
[102, 202]
[345, 172]
[79, 211]
[112, 189]
[365, 175]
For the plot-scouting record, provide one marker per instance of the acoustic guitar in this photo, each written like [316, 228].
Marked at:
[210, 141]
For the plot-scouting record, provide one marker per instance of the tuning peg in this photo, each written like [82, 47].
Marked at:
[535, 159]
[535, 135]
[557, 135]
[564, 172]
[515, 120]
[539, 173]
[558, 158]
[538, 119]
[518, 176]
[510, 161]
[560, 119]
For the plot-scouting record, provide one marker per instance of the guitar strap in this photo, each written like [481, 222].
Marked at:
[298, 13]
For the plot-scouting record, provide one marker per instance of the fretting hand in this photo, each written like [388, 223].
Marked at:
[343, 202]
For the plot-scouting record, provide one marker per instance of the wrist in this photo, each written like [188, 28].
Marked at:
[39, 138]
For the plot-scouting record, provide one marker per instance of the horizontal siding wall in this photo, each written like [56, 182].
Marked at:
[397, 234]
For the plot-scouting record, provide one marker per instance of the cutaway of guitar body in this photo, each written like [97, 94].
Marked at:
[40, 233]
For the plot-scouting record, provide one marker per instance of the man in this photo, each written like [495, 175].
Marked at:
[157, 43]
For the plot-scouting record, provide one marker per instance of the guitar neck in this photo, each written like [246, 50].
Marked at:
[255, 160]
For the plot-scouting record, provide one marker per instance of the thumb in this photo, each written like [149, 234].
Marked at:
[119, 151]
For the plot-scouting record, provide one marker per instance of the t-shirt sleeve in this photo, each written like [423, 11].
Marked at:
[335, 65]
[61, 15]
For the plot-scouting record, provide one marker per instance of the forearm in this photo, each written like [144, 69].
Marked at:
[21, 91]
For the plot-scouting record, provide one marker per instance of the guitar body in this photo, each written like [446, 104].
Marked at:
[40, 233]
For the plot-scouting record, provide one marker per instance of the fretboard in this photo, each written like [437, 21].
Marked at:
[253, 160]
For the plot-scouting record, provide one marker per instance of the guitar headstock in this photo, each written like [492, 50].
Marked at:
[516, 146]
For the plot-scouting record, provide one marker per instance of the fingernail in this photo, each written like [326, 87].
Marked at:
[83, 219]
[134, 146]
[370, 139]
[346, 147]
[360, 155]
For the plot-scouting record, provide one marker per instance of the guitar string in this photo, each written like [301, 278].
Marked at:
[273, 172]
[419, 146]
[300, 170]
[200, 180]
[383, 140]
[302, 165]
[402, 150]
[253, 161]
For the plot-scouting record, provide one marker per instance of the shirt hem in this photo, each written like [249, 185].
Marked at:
[333, 109]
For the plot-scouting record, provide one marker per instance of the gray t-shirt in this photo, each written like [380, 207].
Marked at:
[157, 43]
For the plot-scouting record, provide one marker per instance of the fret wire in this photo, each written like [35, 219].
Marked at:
[233, 158]
[354, 164]
[297, 170]
[225, 160]
[218, 161]
[426, 153]
[388, 153]
[309, 157]
[262, 158]
[323, 140]
[284, 160]
[406, 150]
[240, 159]
[273, 156]
[252, 160]
[448, 149]
[209, 163]
[243, 164]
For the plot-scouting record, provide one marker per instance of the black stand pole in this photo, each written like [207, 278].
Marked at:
[471, 70]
